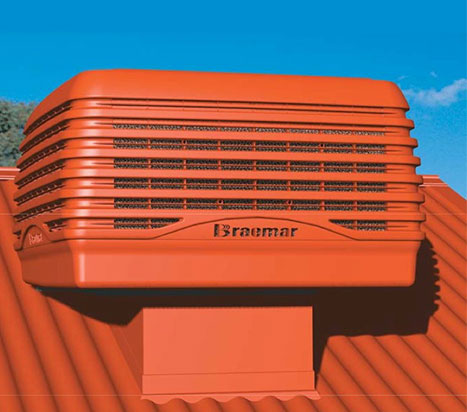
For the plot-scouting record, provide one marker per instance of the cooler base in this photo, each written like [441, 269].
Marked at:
[205, 264]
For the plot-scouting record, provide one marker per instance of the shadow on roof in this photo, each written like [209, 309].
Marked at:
[337, 311]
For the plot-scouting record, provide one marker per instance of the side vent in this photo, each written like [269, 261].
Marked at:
[134, 223]
[367, 225]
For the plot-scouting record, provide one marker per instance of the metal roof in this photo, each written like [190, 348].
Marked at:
[376, 349]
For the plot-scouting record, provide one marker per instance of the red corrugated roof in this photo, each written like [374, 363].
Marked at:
[376, 349]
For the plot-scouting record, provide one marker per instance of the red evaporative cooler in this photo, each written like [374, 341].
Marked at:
[151, 179]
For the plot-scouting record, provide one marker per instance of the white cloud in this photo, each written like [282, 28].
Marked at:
[433, 74]
[402, 77]
[432, 97]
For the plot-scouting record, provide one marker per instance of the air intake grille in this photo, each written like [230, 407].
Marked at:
[36, 211]
[249, 165]
[41, 172]
[138, 223]
[248, 146]
[249, 184]
[39, 191]
[294, 130]
[251, 204]
[23, 164]
[367, 225]
[348, 166]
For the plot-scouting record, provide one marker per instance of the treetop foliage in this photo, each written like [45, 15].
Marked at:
[13, 117]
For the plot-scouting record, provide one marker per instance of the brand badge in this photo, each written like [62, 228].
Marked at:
[224, 231]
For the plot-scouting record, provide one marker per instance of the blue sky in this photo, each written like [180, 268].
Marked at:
[419, 45]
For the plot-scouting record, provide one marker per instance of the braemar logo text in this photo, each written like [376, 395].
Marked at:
[34, 239]
[261, 232]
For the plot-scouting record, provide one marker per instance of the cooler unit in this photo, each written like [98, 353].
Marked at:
[146, 179]
[133, 178]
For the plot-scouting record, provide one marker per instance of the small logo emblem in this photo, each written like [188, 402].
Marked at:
[221, 230]
[34, 239]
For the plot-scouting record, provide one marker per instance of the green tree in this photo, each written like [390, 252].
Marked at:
[13, 117]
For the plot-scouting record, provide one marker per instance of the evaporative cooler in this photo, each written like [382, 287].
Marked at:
[156, 179]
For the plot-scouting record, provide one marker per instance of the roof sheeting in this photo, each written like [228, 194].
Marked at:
[376, 349]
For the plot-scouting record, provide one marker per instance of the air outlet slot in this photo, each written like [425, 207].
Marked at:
[304, 166]
[338, 186]
[239, 204]
[49, 115]
[306, 185]
[200, 164]
[42, 190]
[201, 144]
[167, 203]
[371, 186]
[253, 204]
[247, 145]
[371, 206]
[250, 165]
[157, 223]
[365, 225]
[41, 172]
[271, 184]
[271, 146]
[47, 207]
[167, 183]
[166, 164]
[42, 154]
[371, 167]
[341, 205]
[131, 203]
[139, 223]
[306, 205]
[56, 225]
[166, 144]
[201, 204]
[130, 143]
[47, 134]
[237, 145]
[131, 163]
[272, 204]
[198, 128]
[202, 184]
[131, 223]
[371, 149]
[237, 164]
[131, 183]
[338, 167]
[248, 184]
[237, 184]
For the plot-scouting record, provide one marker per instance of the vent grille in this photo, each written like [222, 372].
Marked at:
[41, 155]
[52, 113]
[41, 172]
[242, 129]
[47, 134]
[39, 210]
[249, 204]
[248, 145]
[139, 223]
[40, 191]
[249, 165]
[366, 225]
[248, 184]
[55, 225]
[122, 167]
